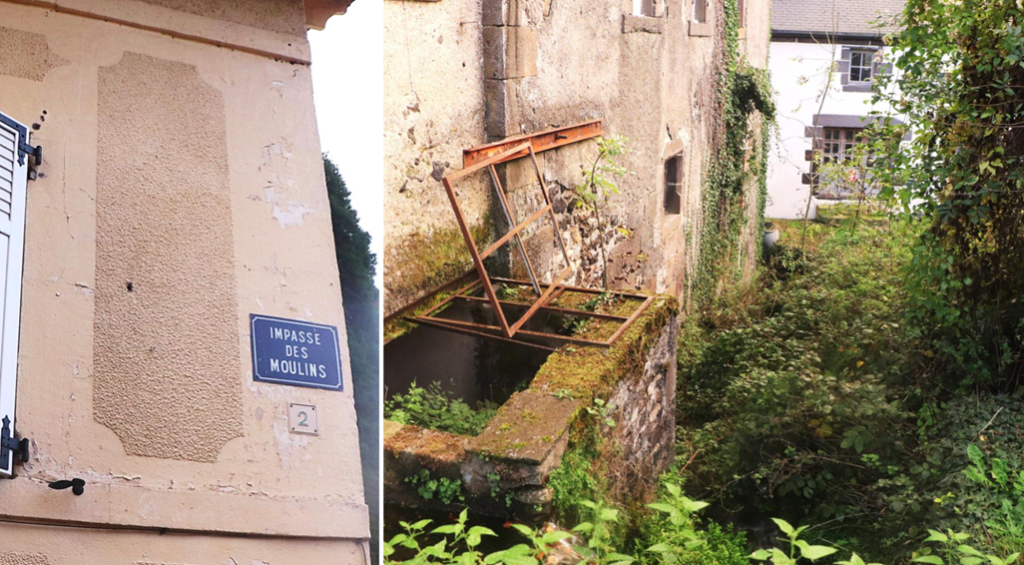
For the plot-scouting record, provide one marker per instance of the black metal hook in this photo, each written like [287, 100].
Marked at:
[77, 486]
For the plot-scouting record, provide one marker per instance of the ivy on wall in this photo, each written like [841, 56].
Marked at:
[745, 102]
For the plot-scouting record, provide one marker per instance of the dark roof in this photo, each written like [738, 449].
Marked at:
[843, 17]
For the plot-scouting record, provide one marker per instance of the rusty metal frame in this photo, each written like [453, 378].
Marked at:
[492, 331]
[545, 296]
[487, 157]
[540, 142]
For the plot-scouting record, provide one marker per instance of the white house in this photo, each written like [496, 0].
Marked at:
[808, 38]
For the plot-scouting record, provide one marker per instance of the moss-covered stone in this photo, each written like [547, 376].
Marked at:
[529, 436]
[423, 261]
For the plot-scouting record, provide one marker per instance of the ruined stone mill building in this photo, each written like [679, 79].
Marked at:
[463, 73]
[165, 231]
[469, 78]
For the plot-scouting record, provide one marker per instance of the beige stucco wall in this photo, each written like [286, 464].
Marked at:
[193, 172]
[657, 89]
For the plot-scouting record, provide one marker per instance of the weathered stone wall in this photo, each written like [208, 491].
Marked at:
[521, 66]
[504, 471]
[642, 443]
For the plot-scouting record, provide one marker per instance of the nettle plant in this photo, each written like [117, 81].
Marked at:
[952, 548]
[798, 548]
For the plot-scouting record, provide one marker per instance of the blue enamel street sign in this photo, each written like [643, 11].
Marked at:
[293, 352]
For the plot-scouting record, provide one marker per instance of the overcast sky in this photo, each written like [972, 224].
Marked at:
[348, 90]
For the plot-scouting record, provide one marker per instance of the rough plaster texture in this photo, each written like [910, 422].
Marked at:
[657, 89]
[267, 487]
[26, 55]
[164, 263]
[284, 16]
[102, 547]
[20, 558]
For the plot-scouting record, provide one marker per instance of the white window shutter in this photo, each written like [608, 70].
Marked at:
[15, 153]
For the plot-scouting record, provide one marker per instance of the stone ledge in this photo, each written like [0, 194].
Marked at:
[642, 24]
[701, 29]
[106, 505]
[504, 470]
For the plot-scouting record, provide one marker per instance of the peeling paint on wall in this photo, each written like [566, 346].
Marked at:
[276, 165]
[166, 354]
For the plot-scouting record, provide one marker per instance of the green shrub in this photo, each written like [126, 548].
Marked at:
[431, 408]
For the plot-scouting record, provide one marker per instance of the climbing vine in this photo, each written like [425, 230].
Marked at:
[742, 90]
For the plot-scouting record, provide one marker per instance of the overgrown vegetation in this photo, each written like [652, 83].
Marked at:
[740, 157]
[858, 400]
[599, 183]
[963, 172]
[431, 408]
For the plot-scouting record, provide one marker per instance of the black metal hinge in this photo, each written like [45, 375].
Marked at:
[24, 148]
[19, 448]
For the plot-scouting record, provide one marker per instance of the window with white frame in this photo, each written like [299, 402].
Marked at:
[861, 65]
[15, 153]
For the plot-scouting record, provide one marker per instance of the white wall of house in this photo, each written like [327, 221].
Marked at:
[799, 73]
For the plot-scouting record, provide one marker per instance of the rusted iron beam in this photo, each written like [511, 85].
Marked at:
[539, 142]
[551, 292]
[545, 297]
[506, 155]
[440, 324]
[514, 232]
[553, 309]
[500, 190]
[477, 261]
[551, 209]
[576, 289]
[440, 305]
[496, 329]
[625, 325]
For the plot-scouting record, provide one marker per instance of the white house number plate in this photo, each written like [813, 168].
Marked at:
[302, 419]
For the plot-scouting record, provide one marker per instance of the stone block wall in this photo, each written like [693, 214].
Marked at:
[505, 470]
[522, 66]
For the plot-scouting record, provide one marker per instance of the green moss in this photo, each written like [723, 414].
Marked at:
[591, 372]
[428, 261]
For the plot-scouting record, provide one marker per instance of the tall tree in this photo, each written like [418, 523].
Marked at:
[357, 266]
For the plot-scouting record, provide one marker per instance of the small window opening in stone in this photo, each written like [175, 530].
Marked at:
[643, 8]
[700, 11]
[130, 286]
[742, 13]
[674, 184]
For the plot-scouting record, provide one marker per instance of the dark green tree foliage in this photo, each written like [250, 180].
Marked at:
[357, 266]
[961, 86]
